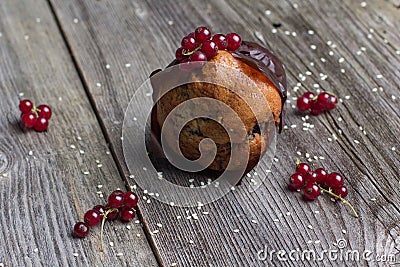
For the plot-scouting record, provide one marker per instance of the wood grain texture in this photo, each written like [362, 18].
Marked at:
[145, 35]
[43, 186]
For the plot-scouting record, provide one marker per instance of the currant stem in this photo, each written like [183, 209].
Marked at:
[339, 197]
[102, 227]
[188, 53]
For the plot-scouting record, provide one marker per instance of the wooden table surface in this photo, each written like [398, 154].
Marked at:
[87, 58]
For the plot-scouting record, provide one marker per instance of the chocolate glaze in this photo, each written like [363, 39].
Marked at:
[262, 59]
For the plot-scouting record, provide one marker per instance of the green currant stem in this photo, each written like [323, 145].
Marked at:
[341, 199]
[188, 53]
[102, 226]
[36, 111]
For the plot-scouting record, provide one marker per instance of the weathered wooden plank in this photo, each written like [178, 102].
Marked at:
[145, 35]
[43, 190]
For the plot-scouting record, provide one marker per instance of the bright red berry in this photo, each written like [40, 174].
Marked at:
[309, 95]
[44, 111]
[116, 200]
[220, 40]
[341, 191]
[323, 98]
[28, 119]
[25, 106]
[130, 199]
[81, 229]
[92, 217]
[234, 41]
[179, 54]
[296, 181]
[101, 209]
[316, 108]
[188, 43]
[303, 168]
[331, 103]
[303, 103]
[334, 180]
[209, 48]
[113, 215]
[197, 56]
[41, 125]
[202, 34]
[127, 215]
[310, 177]
[311, 191]
[321, 175]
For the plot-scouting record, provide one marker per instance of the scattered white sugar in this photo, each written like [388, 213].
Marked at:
[288, 213]
[313, 47]
[393, 97]
[294, 34]
[1, 34]
[60, 99]
[342, 70]
[120, 254]
[174, 264]
[310, 32]
[298, 153]
[309, 242]
[236, 230]
[248, 175]
[397, 51]
[344, 231]
[267, 12]
[159, 225]
[379, 76]
[170, 22]
[274, 30]
[347, 97]
[137, 221]
[75, 254]
[369, 36]
[101, 195]
[363, 4]
[76, 20]
[4, 175]
[276, 159]
[309, 226]
[329, 43]
[329, 139]
[178, 217]
[233, 188]
[155, 231]
[323, 59]
[26, 37]
[108, 152]
[307, 155]
[341, 60]
[372, 199]
[144, 197]
[108, 66]
[191, 241]
[358, 52]
[317, 241]
[72, 146]
[275, 220]
[206, 212]
[127, 65]
[36, 250]
[331, 53]
[254, 221]
[99, 165]
[309, 160]
[295, 5]
[85, 172]
[98, 84]
[393, 148]
[172, 204]
[308, 73]
[340, 119]
[128, 227]
[363, 48]
[293, 126]
[144, 168]
[374, 89]
[30, 153]
[100, 186]
[316, 211]
[138, 235]
[356, 141]
[287, 32]
[316, 85]
[111, 244]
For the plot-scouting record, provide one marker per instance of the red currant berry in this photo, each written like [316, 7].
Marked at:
[45, 111]
[81, 229]
[341, 191]
[310, 177]
[296, 181]
[92, 217]
[130, 199]
[321, 175]
[188, 43]
[41, 125]
[113, 215]
[303, 168]
[220, 40]
[234, 41]
[311, 191]
[334, 180]
[210, 49]
[25, 106]
[198, 56]
[101, 209]
[309, 95]
[116, 199]
[202, 34]
[28, 119]
[332, 101]
[323, 99]
[316, 108]
[127, 215]
[179, 54]
[303, 103]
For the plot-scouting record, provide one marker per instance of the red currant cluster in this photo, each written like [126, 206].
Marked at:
[316, 104]
[120, 205]
[200, 45]
[315, 182]
[34, 117]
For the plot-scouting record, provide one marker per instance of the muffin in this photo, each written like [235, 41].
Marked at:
[253, 62]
